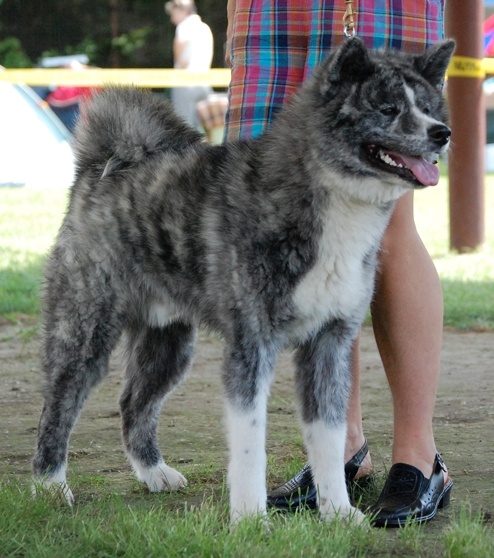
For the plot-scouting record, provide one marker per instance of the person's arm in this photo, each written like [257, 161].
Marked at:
[230, 10]
[179, 46]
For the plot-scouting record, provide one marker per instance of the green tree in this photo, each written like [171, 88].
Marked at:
[126, 33]
[12, 54]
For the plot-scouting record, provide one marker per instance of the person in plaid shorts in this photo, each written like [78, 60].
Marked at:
[271, 47]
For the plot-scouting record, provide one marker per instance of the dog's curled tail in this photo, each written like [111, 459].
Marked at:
[121, 126]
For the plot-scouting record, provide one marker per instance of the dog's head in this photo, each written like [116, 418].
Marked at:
[383, 112]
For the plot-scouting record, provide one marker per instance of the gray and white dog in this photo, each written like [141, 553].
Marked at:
[271, 242]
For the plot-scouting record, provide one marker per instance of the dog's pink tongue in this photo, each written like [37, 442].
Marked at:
[426, 173]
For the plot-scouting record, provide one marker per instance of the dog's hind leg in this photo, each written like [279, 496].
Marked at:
[157, 359]
[247, 376]
[77, 343]
[323, 382]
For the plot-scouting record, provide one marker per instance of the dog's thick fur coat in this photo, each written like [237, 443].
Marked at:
[272, 242]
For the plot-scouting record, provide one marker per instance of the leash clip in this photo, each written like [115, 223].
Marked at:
[349, 29]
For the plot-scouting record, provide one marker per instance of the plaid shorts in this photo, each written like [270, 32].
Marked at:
[276, 43]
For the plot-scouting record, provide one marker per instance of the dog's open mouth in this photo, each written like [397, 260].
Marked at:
[415, 169]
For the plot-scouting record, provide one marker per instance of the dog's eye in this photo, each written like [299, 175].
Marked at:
[389, 110]
[426, 110]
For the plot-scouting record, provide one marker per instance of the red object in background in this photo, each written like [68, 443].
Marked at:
[68, 95]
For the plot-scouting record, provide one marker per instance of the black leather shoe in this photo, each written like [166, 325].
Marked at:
[300, 490]
[407, 494]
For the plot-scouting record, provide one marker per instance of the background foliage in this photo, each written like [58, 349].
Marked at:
[113, 33]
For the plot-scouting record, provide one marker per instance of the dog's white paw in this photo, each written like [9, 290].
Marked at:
[160, 478]
[261, 516]
[54, 486]
[348, 514]
[247, 500]
[261, 520]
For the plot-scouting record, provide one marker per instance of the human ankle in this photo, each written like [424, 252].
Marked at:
[422, 460]
[354, 441]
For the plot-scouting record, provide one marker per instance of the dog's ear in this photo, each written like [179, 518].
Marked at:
[432, 65]
[350, 63]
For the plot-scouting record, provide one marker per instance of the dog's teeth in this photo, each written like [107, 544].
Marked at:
[388, 160]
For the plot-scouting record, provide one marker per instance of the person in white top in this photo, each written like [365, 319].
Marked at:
[192, 50]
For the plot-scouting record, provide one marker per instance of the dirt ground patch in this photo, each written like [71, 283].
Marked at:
[191, 430]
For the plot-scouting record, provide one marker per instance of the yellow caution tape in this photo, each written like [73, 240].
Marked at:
[460, 66]
[489, 65]
[96, 77]
[466, 66]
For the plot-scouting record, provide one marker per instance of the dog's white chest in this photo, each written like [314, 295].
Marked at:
[339, 285]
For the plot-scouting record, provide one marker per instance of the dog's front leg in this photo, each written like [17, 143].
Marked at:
[325, 448]
[247, 466]
[247, 378]
[323, 379]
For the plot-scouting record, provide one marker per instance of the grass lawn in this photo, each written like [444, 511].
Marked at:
[107, 527]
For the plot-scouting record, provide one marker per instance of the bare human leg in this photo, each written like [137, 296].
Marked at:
[407, 316]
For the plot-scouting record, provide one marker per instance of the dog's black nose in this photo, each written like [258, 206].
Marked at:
[439, 134]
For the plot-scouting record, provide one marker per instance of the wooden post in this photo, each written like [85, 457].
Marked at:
[468, 123]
